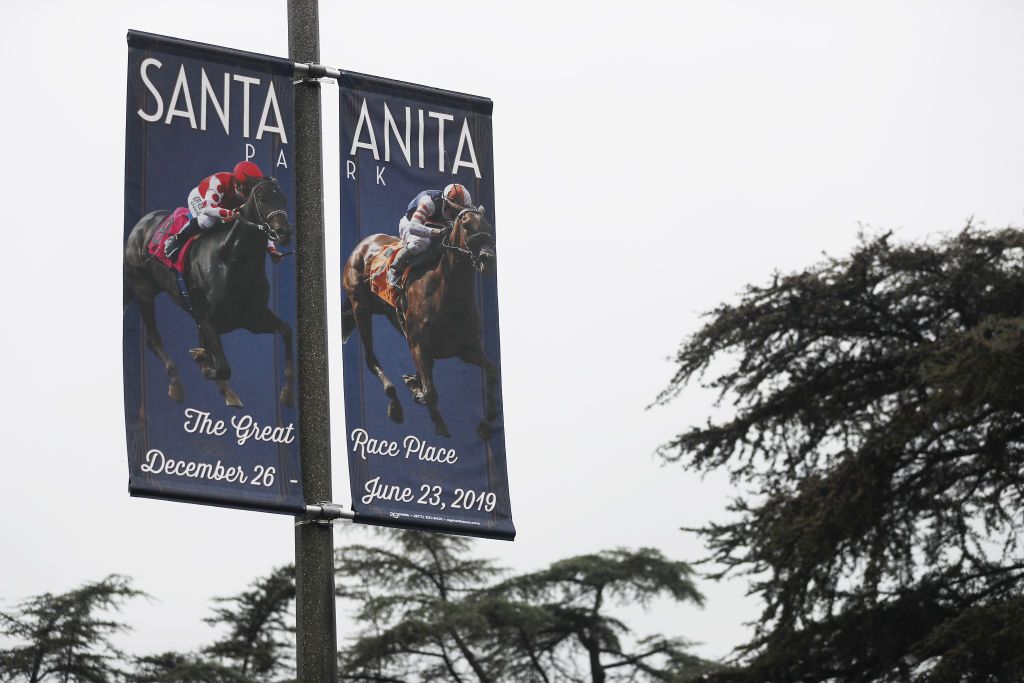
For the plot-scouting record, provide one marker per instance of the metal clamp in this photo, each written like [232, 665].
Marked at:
[325, 513]
[307, 71]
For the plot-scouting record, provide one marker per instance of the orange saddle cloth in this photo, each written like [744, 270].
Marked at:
[380, 264]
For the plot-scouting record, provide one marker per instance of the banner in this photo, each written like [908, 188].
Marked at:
[423, 408]
[210, 378]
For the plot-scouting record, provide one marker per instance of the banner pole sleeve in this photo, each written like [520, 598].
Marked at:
[316, 636]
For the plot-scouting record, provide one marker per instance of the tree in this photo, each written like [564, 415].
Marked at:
[175, 667]
[574, 594]
[259, 638]
[411, 597]
[66, 637]
[877, 439]
[432, 612]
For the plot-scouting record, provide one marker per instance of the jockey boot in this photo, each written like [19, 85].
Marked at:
[175, 242]
[398, 267]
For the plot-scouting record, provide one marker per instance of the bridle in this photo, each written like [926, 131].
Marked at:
[451, 228]
[264, 224]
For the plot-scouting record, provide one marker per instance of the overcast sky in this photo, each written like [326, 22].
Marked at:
[696, 147]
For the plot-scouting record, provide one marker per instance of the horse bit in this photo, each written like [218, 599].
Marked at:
[265, 226]
[451, 226]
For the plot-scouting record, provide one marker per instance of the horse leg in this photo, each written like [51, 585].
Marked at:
[268, 322]
[425, 371]
[477, 357]
[214, 363]
[364, 323]
[155, 343]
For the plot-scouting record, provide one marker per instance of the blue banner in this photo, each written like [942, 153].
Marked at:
[210, 377]
[423, 408]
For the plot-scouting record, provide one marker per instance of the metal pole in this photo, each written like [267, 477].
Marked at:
[315, 632]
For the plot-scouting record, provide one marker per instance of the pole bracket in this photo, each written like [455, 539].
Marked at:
[307, 71]
[325, 513]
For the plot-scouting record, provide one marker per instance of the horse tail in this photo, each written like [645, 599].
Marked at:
[348, 320]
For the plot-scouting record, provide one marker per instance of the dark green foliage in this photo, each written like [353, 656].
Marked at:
[574, 595]
[433, 613]
[65, 637]
[259, 641]
[411, 596]
[877, 436]
[174, 667]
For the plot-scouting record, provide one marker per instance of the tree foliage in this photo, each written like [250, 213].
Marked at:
[432, 612]
[176, 667]
[259, 641]
[574, 595]
[876, 436]
[66, 637]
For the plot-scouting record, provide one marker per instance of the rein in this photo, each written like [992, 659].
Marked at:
[448, 245]
[263, 226]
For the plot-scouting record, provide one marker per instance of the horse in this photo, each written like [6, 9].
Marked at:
[227, 285]
[439, 316]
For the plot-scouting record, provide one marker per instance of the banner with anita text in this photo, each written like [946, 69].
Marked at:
[210, 378]
[423, 408]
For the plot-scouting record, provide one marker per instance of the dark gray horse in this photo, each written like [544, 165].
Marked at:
[227, 284]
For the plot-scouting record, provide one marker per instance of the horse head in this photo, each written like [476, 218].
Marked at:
[473, 235]
[266, 210]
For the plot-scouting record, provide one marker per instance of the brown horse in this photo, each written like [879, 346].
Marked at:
[439, 313]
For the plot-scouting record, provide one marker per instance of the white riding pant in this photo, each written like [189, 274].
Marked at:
[414, 243]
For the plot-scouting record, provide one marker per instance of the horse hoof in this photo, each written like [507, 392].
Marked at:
[484, 430]
[198, 354]
[442, 430]
[395, 411]
[231, 400]
[176, 392]
[287, 397]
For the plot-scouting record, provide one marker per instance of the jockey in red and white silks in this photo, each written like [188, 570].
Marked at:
[215, 200]
[429, 206]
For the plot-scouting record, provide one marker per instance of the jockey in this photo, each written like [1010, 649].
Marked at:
[216, 200]
[433, 206]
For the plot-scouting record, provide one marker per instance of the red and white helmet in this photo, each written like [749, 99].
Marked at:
[246, 173]
[458, 195]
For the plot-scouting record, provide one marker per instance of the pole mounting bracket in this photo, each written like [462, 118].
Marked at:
[325, 513]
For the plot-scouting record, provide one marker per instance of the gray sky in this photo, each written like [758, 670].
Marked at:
[697, 146]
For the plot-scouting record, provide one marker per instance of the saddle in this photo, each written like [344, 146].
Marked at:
[380, 264]
[171, 225]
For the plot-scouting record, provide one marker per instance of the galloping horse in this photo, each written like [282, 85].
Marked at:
[440, 317]
[227, 285]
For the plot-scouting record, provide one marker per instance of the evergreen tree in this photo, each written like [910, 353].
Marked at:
[431, 612]
[411, 597]
[259, 641]
[876, 439]
[66, 637]
[175, 667]
[574, 595]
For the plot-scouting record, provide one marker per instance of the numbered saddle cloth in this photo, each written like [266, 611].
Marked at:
[171, 225]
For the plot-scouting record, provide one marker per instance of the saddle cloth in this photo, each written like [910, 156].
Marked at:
[380, 264]
[171, 225]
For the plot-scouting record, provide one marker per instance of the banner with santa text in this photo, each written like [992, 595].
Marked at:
[421, 353]
[210, 377]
